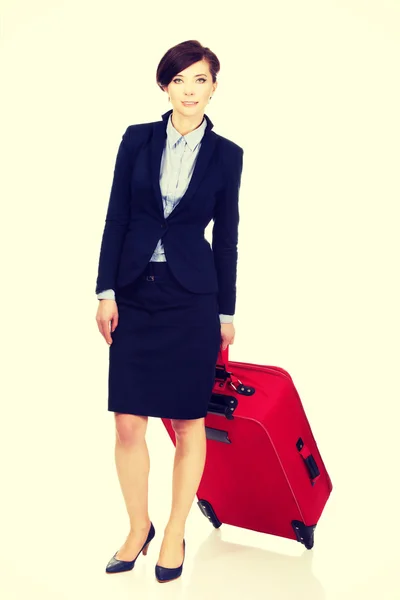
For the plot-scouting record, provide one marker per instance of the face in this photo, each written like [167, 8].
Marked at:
[193, 84]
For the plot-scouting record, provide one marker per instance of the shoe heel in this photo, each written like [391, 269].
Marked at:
[144, 551]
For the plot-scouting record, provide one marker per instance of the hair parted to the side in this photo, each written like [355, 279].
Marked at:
[183, 55]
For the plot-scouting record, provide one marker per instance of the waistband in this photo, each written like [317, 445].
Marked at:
[156, 271]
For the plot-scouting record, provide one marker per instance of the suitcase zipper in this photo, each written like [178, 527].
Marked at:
[262, 368]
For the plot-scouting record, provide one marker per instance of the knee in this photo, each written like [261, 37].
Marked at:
[185, 428]
[130, 429]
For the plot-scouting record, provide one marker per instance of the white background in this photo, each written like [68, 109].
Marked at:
[311, 91]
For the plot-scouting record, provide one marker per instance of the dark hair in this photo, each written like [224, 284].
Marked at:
[180, 57]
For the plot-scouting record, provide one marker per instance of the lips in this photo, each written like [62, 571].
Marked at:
[189, 103]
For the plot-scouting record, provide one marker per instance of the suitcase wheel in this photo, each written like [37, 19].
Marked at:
[304, 533]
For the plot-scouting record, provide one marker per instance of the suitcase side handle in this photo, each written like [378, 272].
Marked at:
[309, 461]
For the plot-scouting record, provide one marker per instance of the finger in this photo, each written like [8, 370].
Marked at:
[109, 338]
[106, 331]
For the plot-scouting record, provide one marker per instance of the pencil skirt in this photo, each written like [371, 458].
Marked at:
[165, 347]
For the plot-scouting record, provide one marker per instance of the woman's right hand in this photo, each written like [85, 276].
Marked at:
[107, 318]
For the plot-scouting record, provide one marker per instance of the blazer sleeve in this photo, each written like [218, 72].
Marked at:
[225, 235]
[117, 217]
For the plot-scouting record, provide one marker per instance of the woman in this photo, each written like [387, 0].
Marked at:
[167, 298]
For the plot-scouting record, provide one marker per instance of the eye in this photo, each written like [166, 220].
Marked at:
[179, 79]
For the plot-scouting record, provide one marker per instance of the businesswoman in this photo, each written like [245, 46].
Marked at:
[167, 298]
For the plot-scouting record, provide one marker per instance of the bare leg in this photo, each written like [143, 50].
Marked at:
[190, 456]
[133, 466]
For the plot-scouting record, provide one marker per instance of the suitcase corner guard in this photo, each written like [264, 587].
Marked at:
[304, 533]
[208, 512]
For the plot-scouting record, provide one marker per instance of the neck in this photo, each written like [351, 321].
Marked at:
[185, 125]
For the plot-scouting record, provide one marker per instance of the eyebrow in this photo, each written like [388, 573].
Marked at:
[198, 75]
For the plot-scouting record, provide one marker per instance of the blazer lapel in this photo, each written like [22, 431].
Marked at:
[203, 159]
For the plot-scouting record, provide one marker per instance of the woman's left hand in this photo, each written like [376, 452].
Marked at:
[227, 334]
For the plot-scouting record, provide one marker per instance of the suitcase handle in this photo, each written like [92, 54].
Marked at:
[221, 373]
[309, 461]
[223, 357]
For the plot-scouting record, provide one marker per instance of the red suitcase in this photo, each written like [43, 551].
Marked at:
[263, 469]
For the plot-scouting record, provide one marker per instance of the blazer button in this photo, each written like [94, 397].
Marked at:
[163, 226]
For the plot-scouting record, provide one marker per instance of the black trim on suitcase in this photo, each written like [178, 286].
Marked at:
[221, 404]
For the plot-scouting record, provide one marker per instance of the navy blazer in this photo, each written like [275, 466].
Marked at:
[135, 215]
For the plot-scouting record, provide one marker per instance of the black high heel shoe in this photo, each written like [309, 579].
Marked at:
[164, 574]
[117, 566]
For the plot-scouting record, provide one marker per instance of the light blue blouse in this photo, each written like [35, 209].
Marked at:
[177, 164]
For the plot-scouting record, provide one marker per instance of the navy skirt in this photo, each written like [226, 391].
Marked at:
[165, 348]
